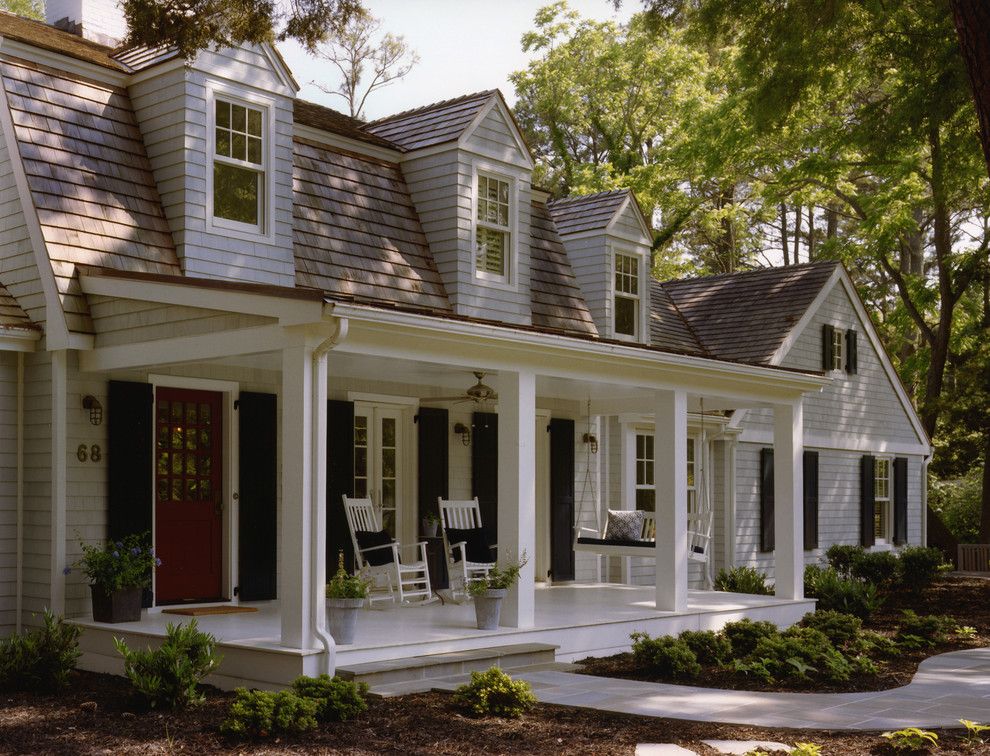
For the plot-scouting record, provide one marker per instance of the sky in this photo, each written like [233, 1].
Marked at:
[464, 46]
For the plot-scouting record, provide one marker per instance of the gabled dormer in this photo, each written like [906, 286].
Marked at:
[218, 131]
[469, 173]
[608, 242]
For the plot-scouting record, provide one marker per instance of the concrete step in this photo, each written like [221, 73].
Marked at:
[380, 673]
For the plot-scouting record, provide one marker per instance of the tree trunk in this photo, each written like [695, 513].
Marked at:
[783, 234]
[811, 233]
[831, 222]
[972, 19]
[797, 234]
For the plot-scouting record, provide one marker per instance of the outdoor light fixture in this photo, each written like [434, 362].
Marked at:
[589, 438]
[465, 433]
[95, 409]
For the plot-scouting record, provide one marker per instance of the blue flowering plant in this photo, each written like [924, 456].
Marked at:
[116, 565]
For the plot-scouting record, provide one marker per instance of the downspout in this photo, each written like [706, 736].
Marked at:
[924, 500]
[19, 611]
[318, 544]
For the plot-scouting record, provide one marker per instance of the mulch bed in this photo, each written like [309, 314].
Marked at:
[966, 599]
[97, 715]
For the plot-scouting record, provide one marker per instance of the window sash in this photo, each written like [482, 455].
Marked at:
[626, 314]
[493, 220]
[838, 342]
[645, 481]
[881, 498]
[239, 165]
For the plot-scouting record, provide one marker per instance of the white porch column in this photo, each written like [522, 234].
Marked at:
[788, 495]
[295, 543]
[670, 475]
[517, 490]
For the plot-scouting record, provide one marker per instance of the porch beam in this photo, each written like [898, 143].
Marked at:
[788, 487]
[670, 475]
[517, 490]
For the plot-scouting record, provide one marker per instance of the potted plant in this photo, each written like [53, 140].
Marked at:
[345, 595]
[118, 573]
[489, 591]
[430, 523]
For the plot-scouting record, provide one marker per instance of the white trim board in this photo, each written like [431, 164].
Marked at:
[495, 102]
[839, 442]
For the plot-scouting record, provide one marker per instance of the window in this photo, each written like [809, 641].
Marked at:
[492, 231]
[239, 165]
[839, 349]
[646, 492]
[881, 498]
[626, 295]
[837, 344]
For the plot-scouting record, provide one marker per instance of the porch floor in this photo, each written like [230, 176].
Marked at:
[581, 619]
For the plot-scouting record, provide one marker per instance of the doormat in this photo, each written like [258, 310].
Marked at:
[200, 611]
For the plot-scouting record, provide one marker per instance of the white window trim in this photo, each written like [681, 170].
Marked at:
[630, 431]
[888, 503]
[508, 282]
[243, 231]
[642, 280]
[838, 342]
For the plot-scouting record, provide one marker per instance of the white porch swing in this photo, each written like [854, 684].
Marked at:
[699, 519]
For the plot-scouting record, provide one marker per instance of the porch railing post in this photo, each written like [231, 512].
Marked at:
[788, 486]
[517, 490]
[670, 475]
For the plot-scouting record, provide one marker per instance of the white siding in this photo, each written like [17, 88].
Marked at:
[37, 485]
[8, 492]
[494, 137]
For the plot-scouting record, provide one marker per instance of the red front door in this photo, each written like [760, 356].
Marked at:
[188, 476]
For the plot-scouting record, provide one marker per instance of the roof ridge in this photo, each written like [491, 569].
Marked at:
[687, 324]
[583, 197]
[773, 269]
[431, 106]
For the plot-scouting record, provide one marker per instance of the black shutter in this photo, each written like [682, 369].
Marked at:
[900, 500]
[810, 500]
[561, 499]
[484, 470]
[433, 435]
[766, 500]
[828, 332]
[867, 471]
[340, 480]
[258, 496]
[852, 362]
[130, 462]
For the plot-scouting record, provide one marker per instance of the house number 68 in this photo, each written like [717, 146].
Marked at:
[93, 453]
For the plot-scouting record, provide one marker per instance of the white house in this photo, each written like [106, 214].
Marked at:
[222, 307]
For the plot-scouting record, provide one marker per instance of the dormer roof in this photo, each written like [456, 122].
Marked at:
[431, 125]
[327, 119]
[594, 212]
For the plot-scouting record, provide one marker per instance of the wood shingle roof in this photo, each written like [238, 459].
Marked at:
[668, 328]
[589, 212]
[434, 124]
[328, 119]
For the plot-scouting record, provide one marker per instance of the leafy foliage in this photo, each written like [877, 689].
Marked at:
[841, 557]
[42, 659]
[265, 714]
[846, 595]
[881, 568]
[974, 731]
[919, 566]
[745, 634]
[708, 646]
[494, 694]
[931, 629]
[168, 677]
[799, 651]
[27, 8]
[665, 655]
[498, 578]
[743, 580]
[126, 563]
[337, 699]
[841, 629]
[806, 749]
[344, 585]
[911, 739]
[957, 503]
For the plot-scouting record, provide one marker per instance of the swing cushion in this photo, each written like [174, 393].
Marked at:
[368, 538]
[475, 545]
[612, 542]
[624, 525]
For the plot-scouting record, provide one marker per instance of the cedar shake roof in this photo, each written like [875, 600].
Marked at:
[590, 212]
[47, 37]
[11, 313]
[555, 297]
[433, 124]
[139, 58]
[327, 119]
[89, 176]
[746, 316]
[356, 232]
[668, 328]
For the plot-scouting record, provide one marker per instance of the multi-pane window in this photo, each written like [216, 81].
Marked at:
[239, 164]
[837, 349]
[492, 232]
[646, 492]
[881, 498]
[692, 498]
[626, 295]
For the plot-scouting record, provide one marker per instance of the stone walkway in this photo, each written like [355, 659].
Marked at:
[946, 688]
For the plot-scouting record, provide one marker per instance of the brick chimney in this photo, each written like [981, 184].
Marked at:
[96, 20]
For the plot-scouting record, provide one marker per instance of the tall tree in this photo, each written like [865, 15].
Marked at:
[28, 8]
[972, 21]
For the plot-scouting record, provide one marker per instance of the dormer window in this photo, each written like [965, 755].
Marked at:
[493, 228]
[240, 147]
[626, 296]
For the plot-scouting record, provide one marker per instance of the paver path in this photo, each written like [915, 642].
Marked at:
[946, 688]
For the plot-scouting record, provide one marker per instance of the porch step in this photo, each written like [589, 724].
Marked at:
[430, 666]
[453, 682]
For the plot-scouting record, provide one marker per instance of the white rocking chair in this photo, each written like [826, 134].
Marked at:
[411, 579]
[461, 515]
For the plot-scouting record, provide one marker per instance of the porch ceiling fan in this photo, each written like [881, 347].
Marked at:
[478, 393]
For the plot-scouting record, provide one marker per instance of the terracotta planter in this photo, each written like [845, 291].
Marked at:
[488, 606]
[342, 618]
[120, 606]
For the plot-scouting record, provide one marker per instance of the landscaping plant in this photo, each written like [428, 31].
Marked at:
[708, 646]
[743, 580]
[842, 594]
[798, 651]
[841, 629]
[498, 578]
[806, 749]
[494, 694]
[665, 655]
[841, 557]
[881, 568]
[911, 739]
[168, 677]
[264, 714]
[745, 634]
[40, 660]
[116, 565]
[337, 699]
[919, 566]
[974, 731]
[916, 630]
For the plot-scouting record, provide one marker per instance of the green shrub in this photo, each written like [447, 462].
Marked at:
[872, 643]
[912, 739]
[337, 699]
[839, 628]
[957, 503]
[495, 694]
[665, 655]
[745, 634]
[743, 580]
[263, 714]
[882, 568]
[930, 629]
[840, 557]
[799, 651]
[708, 646]
[846, 595]
[920, 565]
[42, 659]
[806, 749]
[756, 668]
[169, 676]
